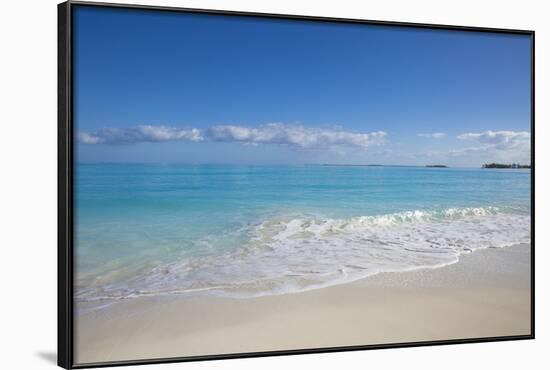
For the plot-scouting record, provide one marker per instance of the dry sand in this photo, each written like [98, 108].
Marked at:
[486, 294]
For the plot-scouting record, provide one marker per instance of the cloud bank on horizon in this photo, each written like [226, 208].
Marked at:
[295, 136]
[292, 135]
[502, 139]
[510, 146]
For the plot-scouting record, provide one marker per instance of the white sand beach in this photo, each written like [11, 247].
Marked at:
[485, 294]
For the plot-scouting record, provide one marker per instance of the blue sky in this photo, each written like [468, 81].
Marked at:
[188, 88]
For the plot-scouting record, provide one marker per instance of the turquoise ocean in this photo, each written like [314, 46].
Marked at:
[245, 231]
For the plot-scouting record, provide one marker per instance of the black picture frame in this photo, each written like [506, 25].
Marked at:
[65, 186]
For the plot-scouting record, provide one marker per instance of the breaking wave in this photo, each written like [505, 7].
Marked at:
[294, 253]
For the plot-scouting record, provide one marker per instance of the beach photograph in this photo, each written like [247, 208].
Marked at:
[247, 184]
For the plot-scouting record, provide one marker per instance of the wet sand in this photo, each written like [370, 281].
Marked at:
[485, 294]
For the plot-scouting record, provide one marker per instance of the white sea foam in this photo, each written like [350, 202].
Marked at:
[294, 253]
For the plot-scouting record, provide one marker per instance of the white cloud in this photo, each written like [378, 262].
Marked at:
[139, 134]
[500, 139]
[511, 146]
[435, 135]
[295, 136]
[88, 138]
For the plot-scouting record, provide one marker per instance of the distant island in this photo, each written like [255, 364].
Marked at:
[502, 165]
[437, 166]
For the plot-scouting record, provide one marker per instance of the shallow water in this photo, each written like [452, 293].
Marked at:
[243, 231]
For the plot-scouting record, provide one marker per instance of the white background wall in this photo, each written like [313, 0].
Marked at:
[28, 182]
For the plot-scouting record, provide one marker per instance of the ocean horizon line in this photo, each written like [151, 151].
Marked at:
[273, 164]
[210, 164]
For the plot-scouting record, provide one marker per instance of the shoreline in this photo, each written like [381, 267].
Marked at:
[485, 294]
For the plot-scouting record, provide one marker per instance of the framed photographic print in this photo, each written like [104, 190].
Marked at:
[237, 184]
